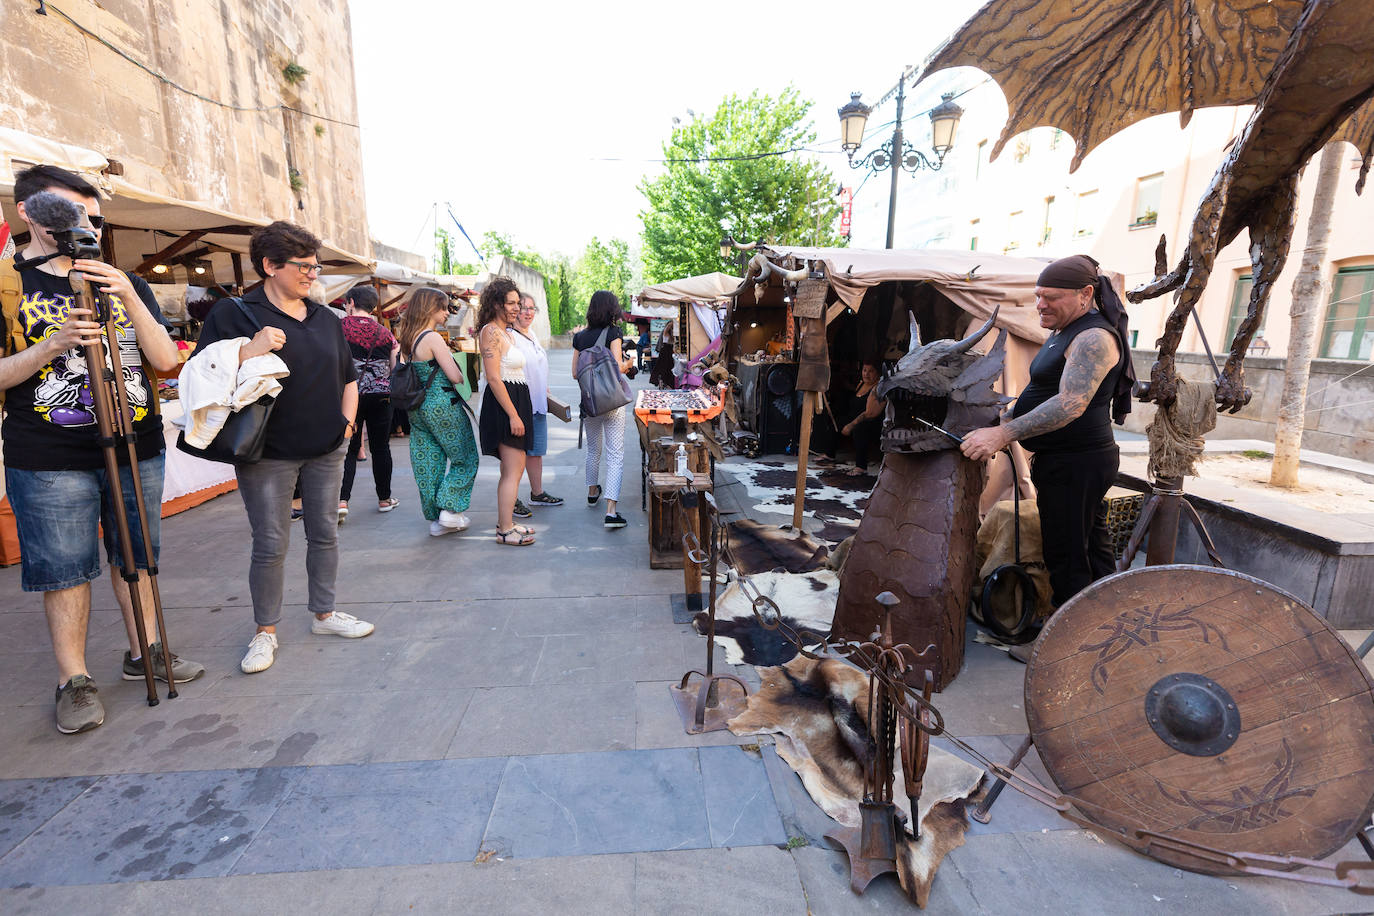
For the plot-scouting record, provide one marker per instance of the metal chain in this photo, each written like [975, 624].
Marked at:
[926, 716]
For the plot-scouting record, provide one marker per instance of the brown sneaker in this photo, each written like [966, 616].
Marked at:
[78, 706]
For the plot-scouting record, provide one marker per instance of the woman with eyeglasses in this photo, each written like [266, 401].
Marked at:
[307, 435]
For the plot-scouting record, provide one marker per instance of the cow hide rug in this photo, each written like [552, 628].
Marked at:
[818, 711]
[832, 496]
[806, 600]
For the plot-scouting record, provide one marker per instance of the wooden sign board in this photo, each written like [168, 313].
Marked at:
[810, 300]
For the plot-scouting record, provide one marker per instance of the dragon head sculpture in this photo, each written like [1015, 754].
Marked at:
[945, 384]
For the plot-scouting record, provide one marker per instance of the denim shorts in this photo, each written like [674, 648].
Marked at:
[57, 514]
[540, 430]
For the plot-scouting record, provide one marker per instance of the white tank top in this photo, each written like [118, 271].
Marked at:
[513, 364]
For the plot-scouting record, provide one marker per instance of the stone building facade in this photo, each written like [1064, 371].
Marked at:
[200, 100]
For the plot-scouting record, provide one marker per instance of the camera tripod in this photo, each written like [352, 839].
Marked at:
[114, 420]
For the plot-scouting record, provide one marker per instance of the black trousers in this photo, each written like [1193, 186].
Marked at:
[374, 412]
[1069, 489]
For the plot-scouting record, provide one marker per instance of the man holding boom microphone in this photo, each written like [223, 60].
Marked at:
[54, 469]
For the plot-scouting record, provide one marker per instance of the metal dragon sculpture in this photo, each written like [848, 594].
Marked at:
[1093, 67]
[916, 539]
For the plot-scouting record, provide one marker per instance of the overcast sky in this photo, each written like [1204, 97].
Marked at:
[510, 110]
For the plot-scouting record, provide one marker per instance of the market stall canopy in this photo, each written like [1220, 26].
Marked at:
[975, 281]
[20, 150]
[128, 207]
[715, 287]
[132, 207]
[397, 283]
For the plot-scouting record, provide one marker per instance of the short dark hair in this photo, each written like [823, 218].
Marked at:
[279, 243]
[362, 297]
[44, 177]
[604, 309]
[493, 299]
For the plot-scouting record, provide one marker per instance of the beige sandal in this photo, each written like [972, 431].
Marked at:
[522, 538]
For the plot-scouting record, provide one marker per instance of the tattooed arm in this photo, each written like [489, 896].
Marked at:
[1091, 356]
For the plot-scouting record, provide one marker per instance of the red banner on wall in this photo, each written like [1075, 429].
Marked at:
[846, 211]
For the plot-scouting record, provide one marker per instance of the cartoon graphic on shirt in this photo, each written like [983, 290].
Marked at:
[63, 394]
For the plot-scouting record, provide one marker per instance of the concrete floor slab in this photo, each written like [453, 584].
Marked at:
[547, 719]
[578, 804]
[739, 801]
[150, 827]
[343, 817]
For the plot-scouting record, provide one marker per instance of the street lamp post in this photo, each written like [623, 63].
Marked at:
[896, 152]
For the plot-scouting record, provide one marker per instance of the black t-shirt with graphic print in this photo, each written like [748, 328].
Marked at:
[50, 416]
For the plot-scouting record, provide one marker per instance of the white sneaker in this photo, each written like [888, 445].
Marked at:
[437, 530]
[341, 624]
[455, 520]
[261, 653]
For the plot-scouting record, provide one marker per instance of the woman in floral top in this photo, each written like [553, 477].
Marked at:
[374, 354]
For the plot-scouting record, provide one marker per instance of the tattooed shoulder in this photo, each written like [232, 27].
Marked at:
[1091, 356]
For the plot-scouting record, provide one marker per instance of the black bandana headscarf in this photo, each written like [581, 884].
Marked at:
[1076, 272]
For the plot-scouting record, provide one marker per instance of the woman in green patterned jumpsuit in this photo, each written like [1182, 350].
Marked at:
[443, 452]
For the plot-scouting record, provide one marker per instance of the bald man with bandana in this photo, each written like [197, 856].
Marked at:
[1079, 382]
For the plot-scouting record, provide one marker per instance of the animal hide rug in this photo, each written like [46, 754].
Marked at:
[818, 711]
[806, 600]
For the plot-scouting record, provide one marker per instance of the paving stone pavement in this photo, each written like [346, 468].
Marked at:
[504, 743]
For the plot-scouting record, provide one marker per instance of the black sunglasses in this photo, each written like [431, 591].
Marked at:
[97, 222]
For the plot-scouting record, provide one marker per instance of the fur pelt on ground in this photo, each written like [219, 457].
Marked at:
[818, 711]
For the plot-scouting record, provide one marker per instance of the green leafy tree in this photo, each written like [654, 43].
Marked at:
[602, 266]
[445, 262]
[719, 178]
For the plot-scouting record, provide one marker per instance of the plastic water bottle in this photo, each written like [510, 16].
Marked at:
[682, 470]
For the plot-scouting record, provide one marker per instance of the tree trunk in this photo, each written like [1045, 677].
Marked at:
[1309, 299]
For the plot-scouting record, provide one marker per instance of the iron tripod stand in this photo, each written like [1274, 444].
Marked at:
[114, 421]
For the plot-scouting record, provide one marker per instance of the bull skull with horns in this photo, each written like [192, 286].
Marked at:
[944, 383]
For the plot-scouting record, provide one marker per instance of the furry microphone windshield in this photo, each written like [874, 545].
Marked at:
[53, 212]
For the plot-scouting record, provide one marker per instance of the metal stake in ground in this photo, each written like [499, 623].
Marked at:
[114, 423]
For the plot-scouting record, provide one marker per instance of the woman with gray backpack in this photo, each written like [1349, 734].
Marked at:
[598, 365]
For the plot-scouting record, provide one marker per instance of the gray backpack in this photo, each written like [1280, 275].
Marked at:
[603, 386]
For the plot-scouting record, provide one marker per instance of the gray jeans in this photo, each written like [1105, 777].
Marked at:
[266, 489]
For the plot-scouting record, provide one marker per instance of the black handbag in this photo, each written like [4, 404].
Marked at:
[241, 439]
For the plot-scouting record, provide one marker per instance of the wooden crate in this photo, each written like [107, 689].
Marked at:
[665, 524]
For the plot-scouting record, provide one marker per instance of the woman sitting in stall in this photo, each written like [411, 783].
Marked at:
[865, 423]
[662, 373]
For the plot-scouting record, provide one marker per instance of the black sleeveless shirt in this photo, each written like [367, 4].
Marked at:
[1091, 430]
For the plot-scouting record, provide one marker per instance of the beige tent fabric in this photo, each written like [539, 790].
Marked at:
[20, 150]
[704, 288]
[133, 207]
[997, 280]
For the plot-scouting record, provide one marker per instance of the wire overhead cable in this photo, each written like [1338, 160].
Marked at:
[794, 149]
[44, 6]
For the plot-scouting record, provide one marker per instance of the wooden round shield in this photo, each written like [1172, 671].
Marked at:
[1205, 705]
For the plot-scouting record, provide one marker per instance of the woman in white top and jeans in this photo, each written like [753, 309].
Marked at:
[606, 432]
[537, 373]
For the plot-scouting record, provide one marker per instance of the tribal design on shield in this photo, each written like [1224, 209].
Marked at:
[1135, 628]
[1246, 809]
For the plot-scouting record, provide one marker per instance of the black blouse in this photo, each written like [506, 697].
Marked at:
[308, 420]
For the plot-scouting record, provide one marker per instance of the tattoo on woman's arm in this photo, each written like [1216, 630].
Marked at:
[1091, 356]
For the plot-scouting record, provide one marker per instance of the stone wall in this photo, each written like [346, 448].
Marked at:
[65, 85]
[1339, 421]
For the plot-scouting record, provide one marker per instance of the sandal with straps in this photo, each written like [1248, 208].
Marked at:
[522, 538]
[523, 529]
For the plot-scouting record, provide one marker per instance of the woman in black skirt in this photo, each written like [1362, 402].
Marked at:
[507, 420]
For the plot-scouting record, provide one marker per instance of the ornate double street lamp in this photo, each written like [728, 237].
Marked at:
[944, 123]
[740, 250]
